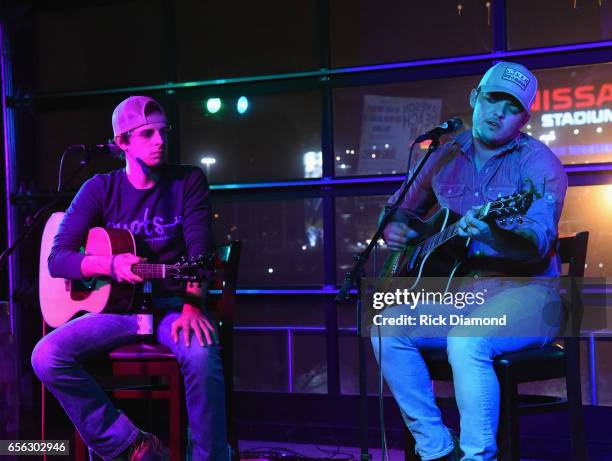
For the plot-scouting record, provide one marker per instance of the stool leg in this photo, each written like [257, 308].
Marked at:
[150, 414]
[176, 416]
[80, 450]
[574, 399]
[508, 441]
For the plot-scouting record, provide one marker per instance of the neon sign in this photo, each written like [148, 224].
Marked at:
[572, 98]
[593, 98]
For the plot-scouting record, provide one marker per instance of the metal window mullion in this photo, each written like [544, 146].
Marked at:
[379, 73]
[171, 103]
[329, 206]
[592, 353]
[329, 245]
[10, 171]
[499, 25]
[8, 129]
[579, 175]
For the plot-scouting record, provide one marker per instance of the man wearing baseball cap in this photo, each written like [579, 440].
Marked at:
[491, 160]
[166, 208]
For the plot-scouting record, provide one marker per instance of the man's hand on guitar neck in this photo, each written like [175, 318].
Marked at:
[397, 235]
[509, 244]
[118, 267]
[470, 226]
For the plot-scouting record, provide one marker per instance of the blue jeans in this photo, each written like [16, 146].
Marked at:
[57, 360]
[471, 359]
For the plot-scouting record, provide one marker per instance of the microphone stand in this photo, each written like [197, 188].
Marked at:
[353, 279]
[33, 221]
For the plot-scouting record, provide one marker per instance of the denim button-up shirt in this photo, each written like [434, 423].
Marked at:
[450, 178]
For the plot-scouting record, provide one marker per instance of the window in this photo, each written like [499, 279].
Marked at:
[572, 113]
[58, 129]
[224, 39]
[355, 223]
[290, 333]
[277, 138]
[365, 32]
[282, 240]
[116, 45]
[375, 125]
[589, 208]
[551, 22]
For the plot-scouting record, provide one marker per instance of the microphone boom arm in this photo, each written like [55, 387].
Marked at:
[353, 277]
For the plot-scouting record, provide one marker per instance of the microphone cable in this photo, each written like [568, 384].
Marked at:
[384, 455]
[381, 401]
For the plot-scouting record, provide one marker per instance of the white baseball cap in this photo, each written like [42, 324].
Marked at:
[514, 79]
[136, 111]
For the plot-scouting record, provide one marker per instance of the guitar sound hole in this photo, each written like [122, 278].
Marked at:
[80, 290]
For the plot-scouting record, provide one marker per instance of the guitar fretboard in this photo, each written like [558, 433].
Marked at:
[440, 238]
[449, 232]
[150, 271]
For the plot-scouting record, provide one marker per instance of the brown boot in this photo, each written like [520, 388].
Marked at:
[147, 447]
[456, 454]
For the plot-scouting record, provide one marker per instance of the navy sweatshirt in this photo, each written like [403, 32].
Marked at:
[169, 220]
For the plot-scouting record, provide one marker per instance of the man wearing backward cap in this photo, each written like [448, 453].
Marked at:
[167, 209]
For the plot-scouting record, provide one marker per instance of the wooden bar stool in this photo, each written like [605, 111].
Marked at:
[157, 373]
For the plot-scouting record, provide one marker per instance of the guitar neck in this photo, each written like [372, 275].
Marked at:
[150, 271]
[436, 240]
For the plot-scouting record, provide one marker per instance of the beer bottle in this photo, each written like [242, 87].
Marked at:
[144, 316]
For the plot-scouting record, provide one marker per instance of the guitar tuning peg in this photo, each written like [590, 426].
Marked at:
[519, 220]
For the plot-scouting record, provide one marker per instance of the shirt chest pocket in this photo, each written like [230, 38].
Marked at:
[450, 196]
[496, 192]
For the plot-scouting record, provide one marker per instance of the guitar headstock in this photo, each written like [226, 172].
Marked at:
[506, 210]
[190, 269]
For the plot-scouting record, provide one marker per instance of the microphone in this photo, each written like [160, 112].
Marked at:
[447, 126]
[112, 150]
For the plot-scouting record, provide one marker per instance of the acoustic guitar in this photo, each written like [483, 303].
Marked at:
[62, 299]
[437, 252]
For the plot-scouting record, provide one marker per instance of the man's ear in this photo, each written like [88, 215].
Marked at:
[120, 143]
[473, 97]
[526, 118]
